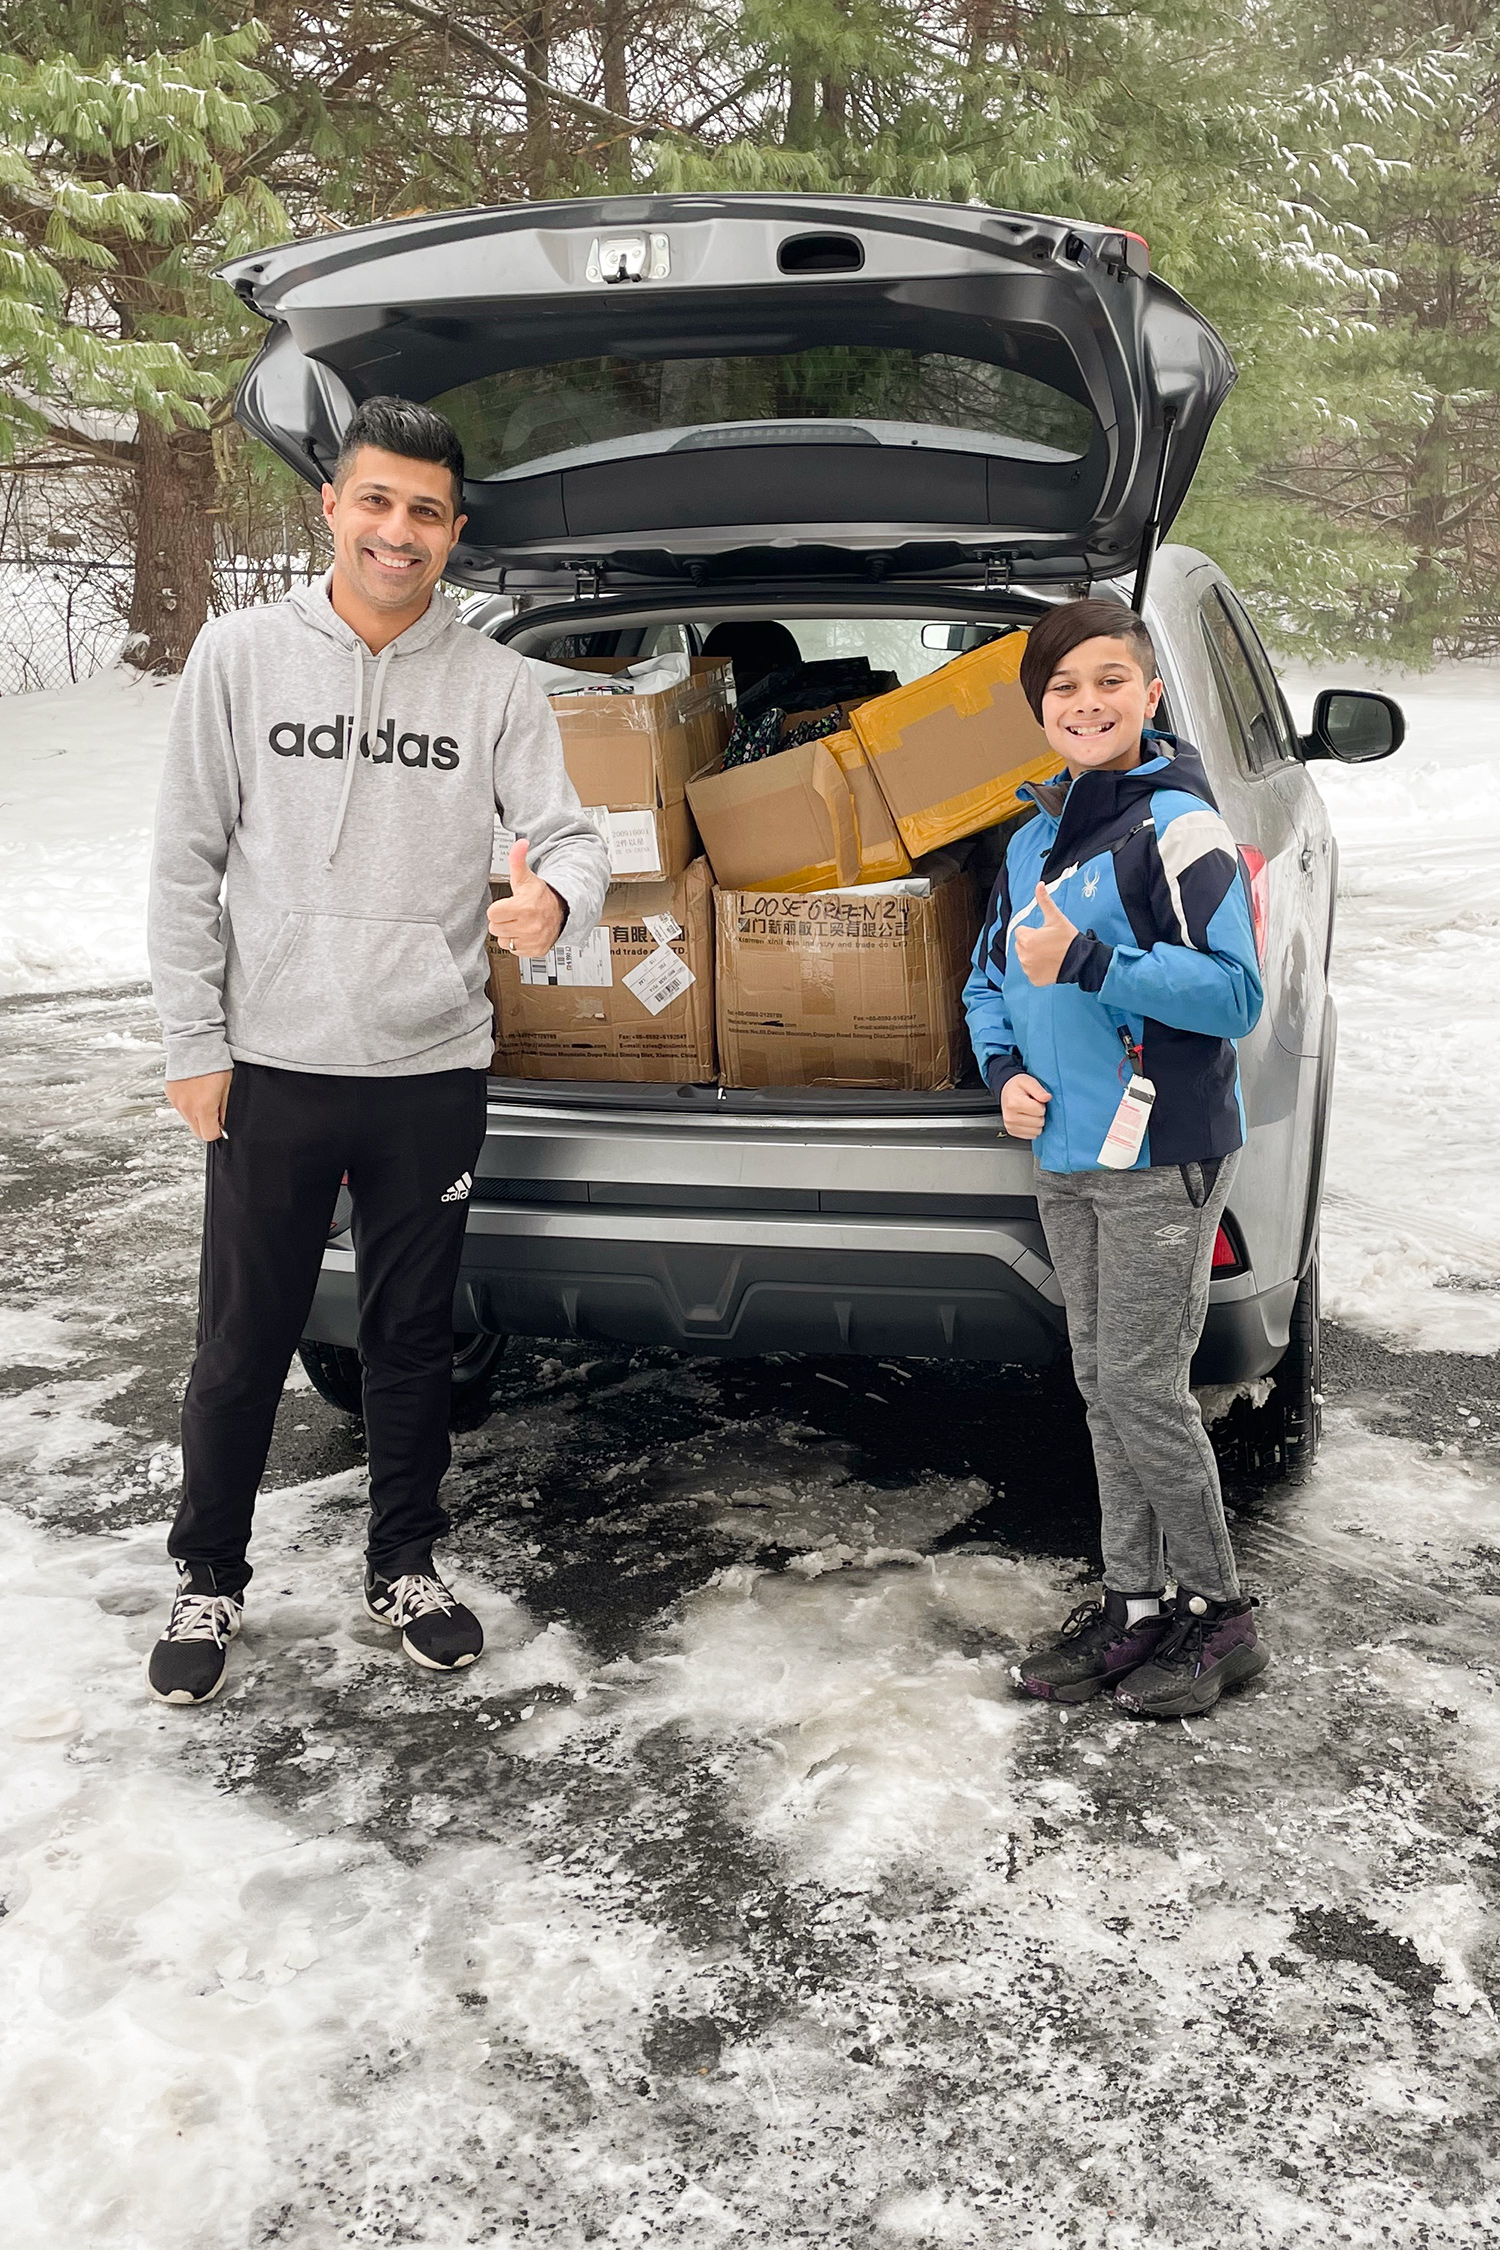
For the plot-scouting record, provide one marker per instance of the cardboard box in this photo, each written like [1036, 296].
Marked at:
[629, 758]
[786, 821]
[882, 855]
[845, 987]
[613, 1007]
[950, 750]
[806, 819]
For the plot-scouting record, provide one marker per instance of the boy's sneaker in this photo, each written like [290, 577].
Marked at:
[436, 1630]
[1095, 1648]
[1209, 1646]
[187, 1664]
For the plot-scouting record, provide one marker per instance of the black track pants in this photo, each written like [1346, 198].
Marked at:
[272, 1183]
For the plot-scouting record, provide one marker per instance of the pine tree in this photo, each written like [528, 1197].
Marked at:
[122, 181]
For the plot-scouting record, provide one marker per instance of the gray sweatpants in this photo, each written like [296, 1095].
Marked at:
[1132, 1256]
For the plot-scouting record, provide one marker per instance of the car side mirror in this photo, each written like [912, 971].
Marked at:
[1355, 726]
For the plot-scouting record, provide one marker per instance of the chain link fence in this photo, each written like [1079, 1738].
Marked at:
[64, 617]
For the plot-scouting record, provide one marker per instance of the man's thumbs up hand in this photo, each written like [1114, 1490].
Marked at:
[529, 921]
[1042, 952]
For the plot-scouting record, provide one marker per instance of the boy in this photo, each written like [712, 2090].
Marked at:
[1118, 948]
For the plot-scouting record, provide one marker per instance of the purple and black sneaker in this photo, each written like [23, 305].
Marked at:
[1095, 1648]
[1209, 1646]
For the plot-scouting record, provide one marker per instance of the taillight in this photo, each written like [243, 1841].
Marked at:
[1260, 897]
[1229, 1258]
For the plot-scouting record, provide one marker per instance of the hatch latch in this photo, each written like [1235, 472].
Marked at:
[628, 257]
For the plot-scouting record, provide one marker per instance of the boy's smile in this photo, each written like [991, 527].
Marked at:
[1095, 705]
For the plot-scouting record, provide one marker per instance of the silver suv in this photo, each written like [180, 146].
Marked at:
[892, 429]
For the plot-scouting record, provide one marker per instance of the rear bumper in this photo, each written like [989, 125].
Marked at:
[740, 1286]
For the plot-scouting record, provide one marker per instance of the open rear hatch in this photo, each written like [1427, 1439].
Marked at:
[696, 388]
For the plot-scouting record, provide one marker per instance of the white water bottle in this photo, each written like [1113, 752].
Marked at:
[1122, 1143]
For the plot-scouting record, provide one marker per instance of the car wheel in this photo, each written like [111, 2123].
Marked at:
[335, 1374]
[1277, 1443]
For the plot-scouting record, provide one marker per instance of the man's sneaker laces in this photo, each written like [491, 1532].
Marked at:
[203, 1617]
[414, 1596]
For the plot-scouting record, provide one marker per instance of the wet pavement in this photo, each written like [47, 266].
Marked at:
[734, 1896]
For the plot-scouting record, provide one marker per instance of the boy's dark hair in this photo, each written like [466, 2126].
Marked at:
[396, 425]
[1063, 629]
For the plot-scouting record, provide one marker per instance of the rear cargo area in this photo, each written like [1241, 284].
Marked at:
[804, 816]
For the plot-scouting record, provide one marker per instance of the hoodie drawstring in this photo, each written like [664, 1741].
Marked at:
[368, 733]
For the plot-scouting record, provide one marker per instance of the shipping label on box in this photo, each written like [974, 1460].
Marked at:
[631, 1001]
[860, 988]
[950, 750]
[587, 963]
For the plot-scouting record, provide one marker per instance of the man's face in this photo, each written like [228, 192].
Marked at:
[394, 527]
[1096, 701]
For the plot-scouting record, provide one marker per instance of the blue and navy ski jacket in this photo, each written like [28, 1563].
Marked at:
[1147, 872]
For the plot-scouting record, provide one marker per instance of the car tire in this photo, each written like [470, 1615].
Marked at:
[1277, 1443]
[335, 1374]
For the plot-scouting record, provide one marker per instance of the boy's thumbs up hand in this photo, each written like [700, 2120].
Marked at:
[1041, 952]
[529, 921]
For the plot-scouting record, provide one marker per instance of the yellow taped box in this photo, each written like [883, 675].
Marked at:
[631, 1002]
[950, 750]
[804, 819]
[844, 988]
[629, 758]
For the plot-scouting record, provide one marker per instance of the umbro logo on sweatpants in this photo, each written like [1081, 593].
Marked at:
[459, 1192]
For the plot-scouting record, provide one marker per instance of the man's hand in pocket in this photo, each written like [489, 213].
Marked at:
[201, 1102]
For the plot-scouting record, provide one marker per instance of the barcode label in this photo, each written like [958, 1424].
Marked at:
[663, 927]
[586, 962]
[659, 980]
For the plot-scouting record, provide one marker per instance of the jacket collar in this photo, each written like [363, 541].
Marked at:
[1096, 808]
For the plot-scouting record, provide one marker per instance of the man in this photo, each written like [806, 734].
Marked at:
[317, 933]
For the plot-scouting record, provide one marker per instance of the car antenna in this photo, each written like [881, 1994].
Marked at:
[1152, 528]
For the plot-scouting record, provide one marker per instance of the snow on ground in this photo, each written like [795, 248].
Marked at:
[1411, 1231]
[791, 1924]
[733, 1899]
[1411, 1227]
[78, 774]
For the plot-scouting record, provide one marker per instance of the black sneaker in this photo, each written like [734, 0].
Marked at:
[1094, 1649]
[435, 1628]
[1208, 1647]
[187, 1664]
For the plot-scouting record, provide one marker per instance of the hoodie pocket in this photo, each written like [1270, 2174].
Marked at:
[347, 992]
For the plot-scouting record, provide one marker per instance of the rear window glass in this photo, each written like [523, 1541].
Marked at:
[527, 417]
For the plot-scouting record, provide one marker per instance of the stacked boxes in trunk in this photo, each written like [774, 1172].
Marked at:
[629, 757]
[632, 1001]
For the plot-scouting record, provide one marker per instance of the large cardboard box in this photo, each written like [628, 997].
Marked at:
[631, 1002]
[845, 987]
[950, 750]
[805, 819]
[787, 821]
[629, 758]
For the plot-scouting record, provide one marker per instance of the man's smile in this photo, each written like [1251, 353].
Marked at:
[395, 564]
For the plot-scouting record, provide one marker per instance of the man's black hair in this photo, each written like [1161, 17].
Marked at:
[1065, 628]
[396, 425]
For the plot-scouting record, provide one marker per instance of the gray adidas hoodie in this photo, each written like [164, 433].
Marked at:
[324, 834]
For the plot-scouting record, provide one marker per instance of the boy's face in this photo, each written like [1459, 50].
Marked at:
[1096, 701]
